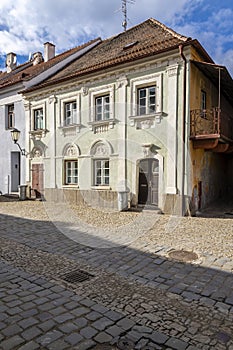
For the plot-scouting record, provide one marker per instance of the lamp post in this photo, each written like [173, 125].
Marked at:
[15, 134]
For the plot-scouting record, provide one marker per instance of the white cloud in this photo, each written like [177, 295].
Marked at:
[26, 24]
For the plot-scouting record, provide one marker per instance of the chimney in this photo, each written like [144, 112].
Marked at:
[11, 59]
[49, 51]
[37, 58]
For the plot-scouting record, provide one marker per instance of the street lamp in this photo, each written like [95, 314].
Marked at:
[15, 134]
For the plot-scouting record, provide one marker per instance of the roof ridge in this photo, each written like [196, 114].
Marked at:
[171, 31]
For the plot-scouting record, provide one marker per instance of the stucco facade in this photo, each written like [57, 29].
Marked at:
[115, 127]
[125, 139]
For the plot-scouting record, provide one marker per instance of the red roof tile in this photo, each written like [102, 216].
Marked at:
[28, 71]
[145, 39]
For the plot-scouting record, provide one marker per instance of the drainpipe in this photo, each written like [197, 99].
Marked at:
[184, 128]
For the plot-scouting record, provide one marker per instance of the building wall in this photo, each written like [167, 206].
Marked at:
[126, 140]
[208, 178]
[6, 144]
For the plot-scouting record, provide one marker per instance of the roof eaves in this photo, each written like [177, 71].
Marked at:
[107, 64]
[169, 30]
[200, 48]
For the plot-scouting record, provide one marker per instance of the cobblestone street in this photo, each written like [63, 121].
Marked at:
[135, 296]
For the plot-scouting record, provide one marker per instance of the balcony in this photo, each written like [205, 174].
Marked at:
[211, 129]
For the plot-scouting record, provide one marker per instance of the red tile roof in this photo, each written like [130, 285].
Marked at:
[27, 71]
[145, 39]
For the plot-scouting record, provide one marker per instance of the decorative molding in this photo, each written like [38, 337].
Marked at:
[122, 81]
[27, 106]
[101, 148]
[37, 152]
[146, 121]
[101, 126]
[38, 134]
[84, 90]
[70, 130]
[71, 150]
[172, 71]
[52, 99]
[149, 150]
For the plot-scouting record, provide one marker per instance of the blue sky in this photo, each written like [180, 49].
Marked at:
[26, 24]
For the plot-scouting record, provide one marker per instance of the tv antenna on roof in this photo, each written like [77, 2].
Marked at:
[124, 11]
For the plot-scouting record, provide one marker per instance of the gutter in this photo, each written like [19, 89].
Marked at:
[184, 128]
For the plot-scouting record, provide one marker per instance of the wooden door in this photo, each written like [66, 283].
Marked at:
[148, 182]
[38, 180]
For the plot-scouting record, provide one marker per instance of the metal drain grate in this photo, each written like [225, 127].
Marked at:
[77, 276]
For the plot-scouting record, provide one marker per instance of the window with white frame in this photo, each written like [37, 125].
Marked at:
[146, 100]
[101, 172]
[10, 117]
[71, 172]
[102, 107]
[146, 96]
[102, 111]
[38, 119]
[70, 113]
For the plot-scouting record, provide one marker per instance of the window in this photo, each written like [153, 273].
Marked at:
[10, 117]
[38, 119]
[101, 172]
[71, 172]
[70, 112]
[203, 105]
[203, 100]
[102, 108]
[146, 100]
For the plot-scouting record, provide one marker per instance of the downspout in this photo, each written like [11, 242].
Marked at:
[184, 129]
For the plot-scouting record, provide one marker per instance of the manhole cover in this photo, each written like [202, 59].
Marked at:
[183, 255]
[77, 276]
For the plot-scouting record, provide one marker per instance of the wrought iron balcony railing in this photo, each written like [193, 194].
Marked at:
[211, 123]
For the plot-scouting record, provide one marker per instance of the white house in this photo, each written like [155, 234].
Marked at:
[112, 128]
[16, 78]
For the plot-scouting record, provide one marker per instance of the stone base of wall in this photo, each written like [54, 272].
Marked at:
[93, 198]
[173, 205]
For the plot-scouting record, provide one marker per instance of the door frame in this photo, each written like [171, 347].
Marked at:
[161, 178]
[16, 174]
[41, 180]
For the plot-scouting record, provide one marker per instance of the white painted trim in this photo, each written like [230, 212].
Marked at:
[61, 103]
[144, 81]
[100, 91]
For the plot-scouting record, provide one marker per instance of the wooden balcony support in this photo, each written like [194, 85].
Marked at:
[221, 148]
[205, 143]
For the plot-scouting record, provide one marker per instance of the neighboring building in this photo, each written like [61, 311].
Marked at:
[12, 114]
[112, 128]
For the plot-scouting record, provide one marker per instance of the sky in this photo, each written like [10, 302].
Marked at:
[25, 25]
